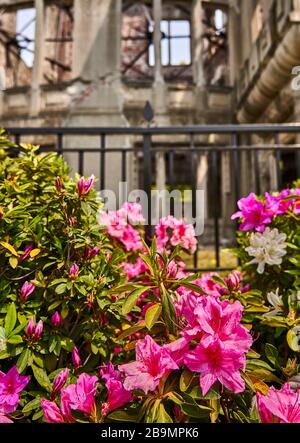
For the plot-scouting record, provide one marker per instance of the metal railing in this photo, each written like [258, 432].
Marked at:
[191, 141]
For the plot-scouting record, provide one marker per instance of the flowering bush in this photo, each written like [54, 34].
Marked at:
[98, 326]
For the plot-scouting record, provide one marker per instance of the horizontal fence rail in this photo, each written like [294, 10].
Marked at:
[247, 150]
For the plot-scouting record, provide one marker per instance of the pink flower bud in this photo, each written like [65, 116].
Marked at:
[56, 319]
[26, 253]
[38, 330]
[30, 329]
[51, 412]
[60, 380]
[76, 360]
[58, 184]
[91, 252]
[73, 221]
[74, 271]
[26, 290]
[85, 185]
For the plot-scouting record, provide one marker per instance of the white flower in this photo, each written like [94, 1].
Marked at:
[276, 302]
[267, 248]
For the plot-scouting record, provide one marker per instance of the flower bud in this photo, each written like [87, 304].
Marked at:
[51, 411]
[85, 185]
[38, 330]
[30, 328]
[76, 360]
[26, 253]
[26, 290]
[60, 380]
[58, 184]
[73, 221]
[74, 271]
[56, 319]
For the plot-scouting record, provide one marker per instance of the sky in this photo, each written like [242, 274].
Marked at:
[24, 16]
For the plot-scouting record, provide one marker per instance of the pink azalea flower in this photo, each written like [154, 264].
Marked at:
[108, 372]
[135, 269]
[80, 397]
[253, 214]
[117, 396]
[279, 406]
[132, 212]
[171, 232]
[215, 362]
[296, 207]
[4, 420]
[11, 384]
[51, 411]
[26, 290]
[275, 204]
[178, 350]
[221, 320]
[152, 363]
[85, 185]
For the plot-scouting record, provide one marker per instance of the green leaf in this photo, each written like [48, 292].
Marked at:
[9, 247]
[13, 261]
[152, 315]
[169, 311]
[23, 360]
[271, 353]
[132, 298]
[293, 339]
[130, 331]
[124, 416]
[33, 404]
[10, 319]
[2, 339]
[41, 377]
[162, 416]
[15, 339]
[60, 289]
[185, 380]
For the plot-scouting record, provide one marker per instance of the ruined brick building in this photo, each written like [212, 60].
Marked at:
[97, 62]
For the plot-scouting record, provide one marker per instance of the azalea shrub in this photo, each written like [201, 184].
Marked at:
[96, 325]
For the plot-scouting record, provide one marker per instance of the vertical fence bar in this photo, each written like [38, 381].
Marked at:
[147, 181]
[278, 161]
[123, 172]
[236, 165]
[194, 186]
[215, 189]
[81, 161]
[298, 163]
[256, 172]
[60, 143]
[171, 178]
[102, 161]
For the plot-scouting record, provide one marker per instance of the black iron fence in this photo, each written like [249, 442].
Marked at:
[241, 159]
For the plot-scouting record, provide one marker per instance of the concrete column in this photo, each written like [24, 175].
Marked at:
[39, 54]
[157, 15]
[97, 94]
[159, 93]
[233, 41]
[197, 43]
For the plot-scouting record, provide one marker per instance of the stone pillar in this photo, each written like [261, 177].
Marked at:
[159, 94]
[97, 94]
[39, 54]
[233, 41]
[197, 43]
